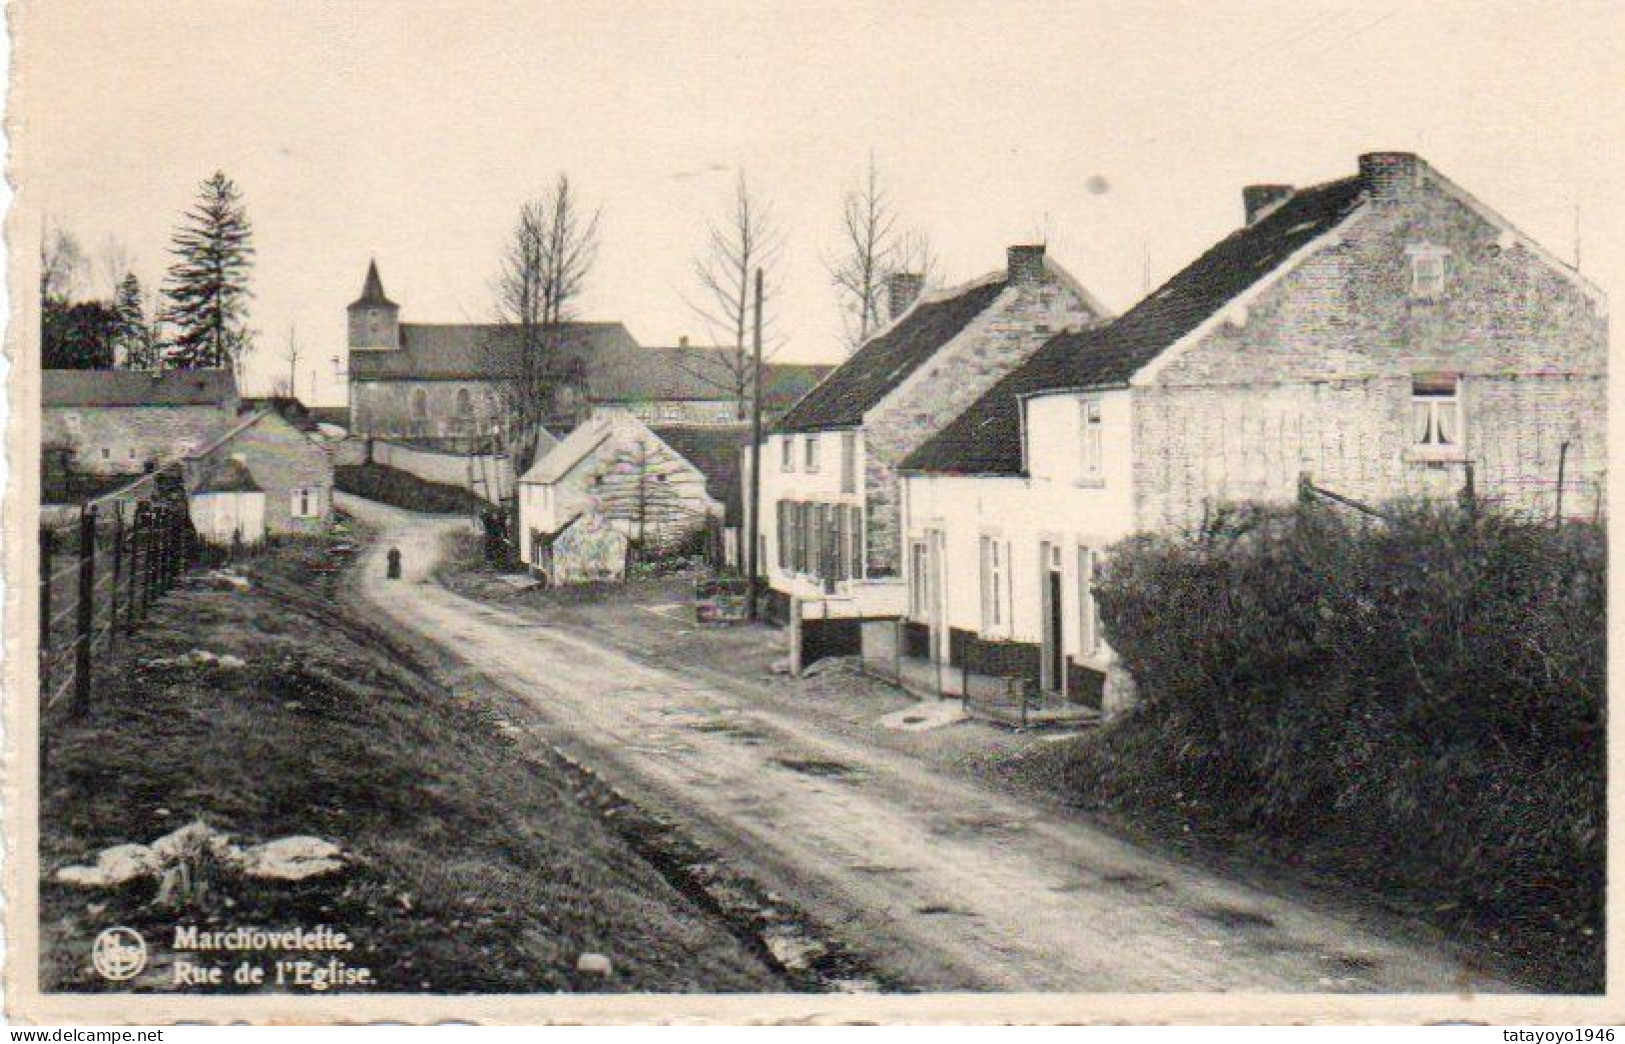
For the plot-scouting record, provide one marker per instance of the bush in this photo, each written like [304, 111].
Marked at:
[1428, 692]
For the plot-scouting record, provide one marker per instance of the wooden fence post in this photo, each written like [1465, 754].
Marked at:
[86, 608]
[47, 549]
[118, 574]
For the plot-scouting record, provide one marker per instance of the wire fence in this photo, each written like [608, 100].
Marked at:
[101, 570]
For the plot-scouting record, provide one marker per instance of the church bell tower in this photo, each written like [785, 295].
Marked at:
[374, 318]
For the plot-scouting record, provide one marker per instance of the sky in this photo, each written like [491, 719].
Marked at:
[1119, 133]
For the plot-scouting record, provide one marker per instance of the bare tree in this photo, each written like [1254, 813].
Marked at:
[859, 267]
[872, 249]
[545, 265]
[62, 264]
[113, 262]
[651, 492]
[745, 239]
[288, 386]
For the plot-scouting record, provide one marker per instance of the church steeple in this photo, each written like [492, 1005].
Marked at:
[372, 294]
[374, 318]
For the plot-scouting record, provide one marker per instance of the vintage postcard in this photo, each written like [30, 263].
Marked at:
[1013, 512]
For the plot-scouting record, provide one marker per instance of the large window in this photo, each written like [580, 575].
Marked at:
[1092, 448]
[854, 536]
[784, 534]
[995, 584]
[1088, 615]
[918, 563]
[1436, 419]
[849, 462]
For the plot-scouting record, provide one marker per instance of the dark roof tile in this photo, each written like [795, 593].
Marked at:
[885, 360]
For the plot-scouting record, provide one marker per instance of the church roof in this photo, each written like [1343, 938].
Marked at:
[605, 356]
[372, 294]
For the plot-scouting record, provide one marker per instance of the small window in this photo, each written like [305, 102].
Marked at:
[1436, 421]
[1092, 449]
[107, 454]
[810, 448]
[1427, 271]
[307, 502]
[72, 420]
[787, 453]
[420, 404]
[465, 403]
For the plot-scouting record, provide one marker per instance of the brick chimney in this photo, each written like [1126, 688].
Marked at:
[1026, 264]
[1389, 175]
[1255, 199]
[902, 288]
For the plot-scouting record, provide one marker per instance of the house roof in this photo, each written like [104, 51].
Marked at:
[713, 449]
[570, 450]
[372, 293]
[986, 438]
[227, 475]
[137, 388]
[885, 360]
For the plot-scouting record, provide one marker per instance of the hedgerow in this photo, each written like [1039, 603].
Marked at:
[1423, 698]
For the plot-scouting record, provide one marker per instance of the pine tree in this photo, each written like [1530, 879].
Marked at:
[133, 345]
[207, 289]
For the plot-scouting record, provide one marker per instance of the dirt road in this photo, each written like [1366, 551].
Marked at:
[940, 883]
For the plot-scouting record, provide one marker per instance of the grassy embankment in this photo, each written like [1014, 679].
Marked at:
[403, 489]
[474, 868]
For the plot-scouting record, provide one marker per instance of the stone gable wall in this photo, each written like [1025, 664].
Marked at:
[1314, 376]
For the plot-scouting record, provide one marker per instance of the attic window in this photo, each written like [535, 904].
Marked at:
[1427, 270]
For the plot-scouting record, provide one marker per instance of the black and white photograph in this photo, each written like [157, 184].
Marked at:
[856, 511]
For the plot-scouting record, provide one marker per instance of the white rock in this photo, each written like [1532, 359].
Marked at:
[191, 841]
[82, 876]
[595, 964]
[293, 859]
[123, 863]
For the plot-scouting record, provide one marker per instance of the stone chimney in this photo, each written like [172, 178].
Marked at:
[1255, 199]
[902, 288]
[1026, 264]
[682, 342]
[1389, 175]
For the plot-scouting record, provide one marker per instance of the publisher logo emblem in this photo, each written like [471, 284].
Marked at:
[119, 954]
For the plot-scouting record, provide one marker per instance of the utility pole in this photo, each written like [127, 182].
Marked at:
[752, 531]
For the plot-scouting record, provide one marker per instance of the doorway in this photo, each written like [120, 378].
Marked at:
[1053, 663]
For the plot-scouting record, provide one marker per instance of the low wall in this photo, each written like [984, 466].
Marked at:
[492, 474]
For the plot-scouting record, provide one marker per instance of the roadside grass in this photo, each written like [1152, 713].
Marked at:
[403, 489]
[474, 868]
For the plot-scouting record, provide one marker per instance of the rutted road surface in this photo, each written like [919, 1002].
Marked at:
[938, 882]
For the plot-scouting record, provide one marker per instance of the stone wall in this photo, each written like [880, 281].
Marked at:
[1315, 374]
[422, 409]
[489, 476]
[111, 440]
